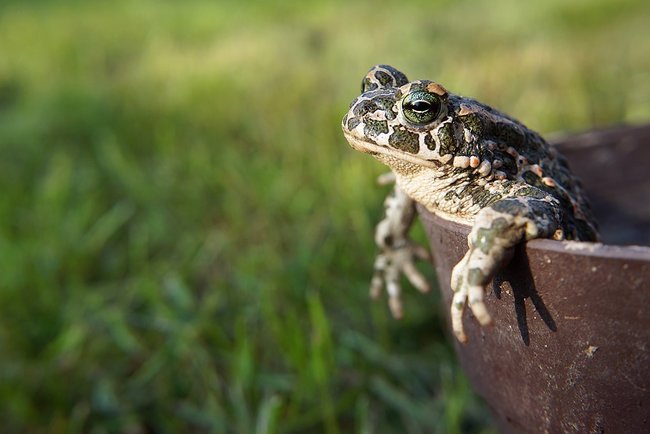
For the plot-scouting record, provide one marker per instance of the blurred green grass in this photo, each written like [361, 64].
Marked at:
[186, 238]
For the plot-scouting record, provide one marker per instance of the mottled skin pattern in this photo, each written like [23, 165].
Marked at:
[466, 162]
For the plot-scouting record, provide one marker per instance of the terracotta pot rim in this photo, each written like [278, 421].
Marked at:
[579, 248]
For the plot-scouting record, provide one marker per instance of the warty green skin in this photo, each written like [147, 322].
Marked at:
[466, 162]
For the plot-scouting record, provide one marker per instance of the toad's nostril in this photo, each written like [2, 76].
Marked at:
[364, 107]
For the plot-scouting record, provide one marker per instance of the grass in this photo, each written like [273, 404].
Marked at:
[186, 238]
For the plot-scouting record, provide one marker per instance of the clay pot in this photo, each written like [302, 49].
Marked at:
[569, 350]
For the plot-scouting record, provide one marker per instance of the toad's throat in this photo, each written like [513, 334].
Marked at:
[372, 148]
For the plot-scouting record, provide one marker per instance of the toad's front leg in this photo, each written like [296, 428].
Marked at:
[397, 252]
[497, 230]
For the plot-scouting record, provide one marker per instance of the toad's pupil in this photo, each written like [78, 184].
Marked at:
[420, 106]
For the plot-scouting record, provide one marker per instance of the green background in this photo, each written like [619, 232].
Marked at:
[186, 237]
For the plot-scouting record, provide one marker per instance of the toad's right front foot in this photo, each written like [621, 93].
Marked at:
[397, 252]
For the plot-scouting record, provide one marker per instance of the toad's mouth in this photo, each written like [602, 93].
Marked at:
[374, 149]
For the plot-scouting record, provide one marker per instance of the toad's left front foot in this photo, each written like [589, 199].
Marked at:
[468, 284]
[496, 231]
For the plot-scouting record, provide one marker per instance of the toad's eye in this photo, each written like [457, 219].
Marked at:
[421, 107]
